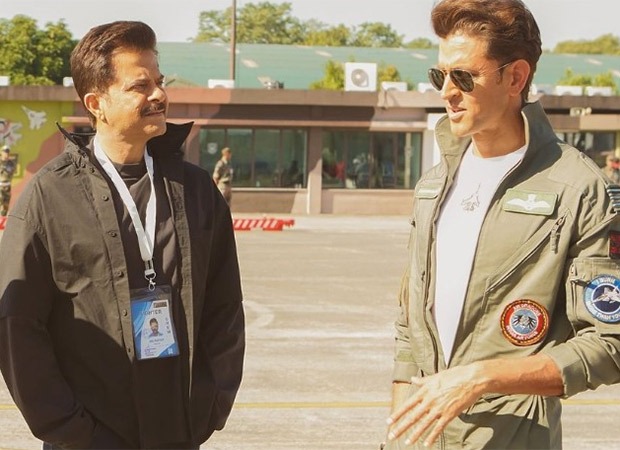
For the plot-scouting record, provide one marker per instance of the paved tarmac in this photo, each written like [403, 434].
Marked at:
[320, 301]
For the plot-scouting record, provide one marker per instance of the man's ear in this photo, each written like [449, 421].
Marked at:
[519, 72]
[93, 102]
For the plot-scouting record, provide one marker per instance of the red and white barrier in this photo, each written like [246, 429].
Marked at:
[264, 223]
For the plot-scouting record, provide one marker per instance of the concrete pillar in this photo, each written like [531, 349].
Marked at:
[315, 171]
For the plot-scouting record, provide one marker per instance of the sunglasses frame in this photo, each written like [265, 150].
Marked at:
[463, 79]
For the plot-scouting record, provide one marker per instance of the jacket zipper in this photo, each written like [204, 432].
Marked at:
[553, 235]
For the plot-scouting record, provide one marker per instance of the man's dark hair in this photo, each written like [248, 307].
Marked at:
[508, 27]
[91, 60]
[152, 321]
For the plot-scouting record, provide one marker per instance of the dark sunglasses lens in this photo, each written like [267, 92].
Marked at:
[462, 79]
[437, 78]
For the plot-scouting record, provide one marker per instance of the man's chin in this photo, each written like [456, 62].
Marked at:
[156, 130]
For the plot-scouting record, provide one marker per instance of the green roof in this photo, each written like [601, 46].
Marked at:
[298, 66]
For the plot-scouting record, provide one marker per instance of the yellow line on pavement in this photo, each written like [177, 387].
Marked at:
[298, 405]
[345, 405]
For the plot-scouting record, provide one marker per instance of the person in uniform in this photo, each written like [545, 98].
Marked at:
[117, 230]
[611, 168]
[511, 300]
[223, 174]
[7, 170]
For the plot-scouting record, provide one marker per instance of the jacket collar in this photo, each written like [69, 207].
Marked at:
[540, 133]
[166, 145]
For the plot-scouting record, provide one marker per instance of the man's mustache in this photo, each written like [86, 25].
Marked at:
[154, 109]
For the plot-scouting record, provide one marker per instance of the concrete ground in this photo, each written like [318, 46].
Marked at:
[320, 305]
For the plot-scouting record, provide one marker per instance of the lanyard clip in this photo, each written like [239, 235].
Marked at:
[149, 274]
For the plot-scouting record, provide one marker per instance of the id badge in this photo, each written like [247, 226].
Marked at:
[153, 330]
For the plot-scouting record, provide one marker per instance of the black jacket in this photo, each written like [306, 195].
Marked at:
[66, 346]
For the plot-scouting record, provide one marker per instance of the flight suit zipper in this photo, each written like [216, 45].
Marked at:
[553, 235]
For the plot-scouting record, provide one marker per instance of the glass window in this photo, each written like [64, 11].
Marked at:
[261, 157]
[333, 157]
[240, 142]
[358, 164]
[267, 170]
[373, 160]
[293, 159]
[212, 141]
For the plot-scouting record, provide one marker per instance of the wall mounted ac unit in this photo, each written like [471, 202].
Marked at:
[67, 82]
[214, 83]
[360, 77]
[394, 86]
[542, 89]
[426, 87]
[568, 90]
[606, 91]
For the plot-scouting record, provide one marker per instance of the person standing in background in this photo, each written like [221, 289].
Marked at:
[611, 168]
[223, 174]
[7, 170]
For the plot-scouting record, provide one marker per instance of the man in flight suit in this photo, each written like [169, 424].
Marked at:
[511, 300]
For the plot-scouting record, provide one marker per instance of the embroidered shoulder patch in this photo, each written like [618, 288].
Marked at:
[524, 322]
[602, 298]
[428, 189]
[529, 202]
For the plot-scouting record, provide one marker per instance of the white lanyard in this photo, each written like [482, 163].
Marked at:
[145, 240]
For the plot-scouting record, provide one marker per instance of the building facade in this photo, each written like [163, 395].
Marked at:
[299, 151]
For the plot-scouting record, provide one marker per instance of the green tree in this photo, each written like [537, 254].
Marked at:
[376, 34]
[33, 56]
[571, 78]
[214, 26]
[257, 23]
[387, 72]
[333, 78]
[319, 34]
[421, 43]
[607, 44]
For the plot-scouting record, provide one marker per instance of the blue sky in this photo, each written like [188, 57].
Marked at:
[178, 20]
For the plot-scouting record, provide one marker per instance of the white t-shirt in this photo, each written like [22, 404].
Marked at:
[458, 228]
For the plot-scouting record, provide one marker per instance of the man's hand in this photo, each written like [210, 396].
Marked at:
[443, 396]
[438, 399]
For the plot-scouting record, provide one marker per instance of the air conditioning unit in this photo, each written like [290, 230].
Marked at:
[214, 83]
[360, 77]
[577, 111]
[5, 80]
[606, 91]
[400, 86]
[426, 87]
[67, 82]
[568, 90]
[542, 89]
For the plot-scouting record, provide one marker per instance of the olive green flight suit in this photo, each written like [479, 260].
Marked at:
[544, 242]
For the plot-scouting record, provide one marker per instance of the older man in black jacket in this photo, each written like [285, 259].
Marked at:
[111, 233]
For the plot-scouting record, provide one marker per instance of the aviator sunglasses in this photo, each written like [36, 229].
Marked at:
[462, 79]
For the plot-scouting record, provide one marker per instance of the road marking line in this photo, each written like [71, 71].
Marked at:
[339, 405]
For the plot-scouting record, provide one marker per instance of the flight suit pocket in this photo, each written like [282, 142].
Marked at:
[593, 292]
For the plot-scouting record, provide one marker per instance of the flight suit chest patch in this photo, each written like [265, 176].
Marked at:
[530, 202]
[428, 189]
[524, 322]
[602, 298]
